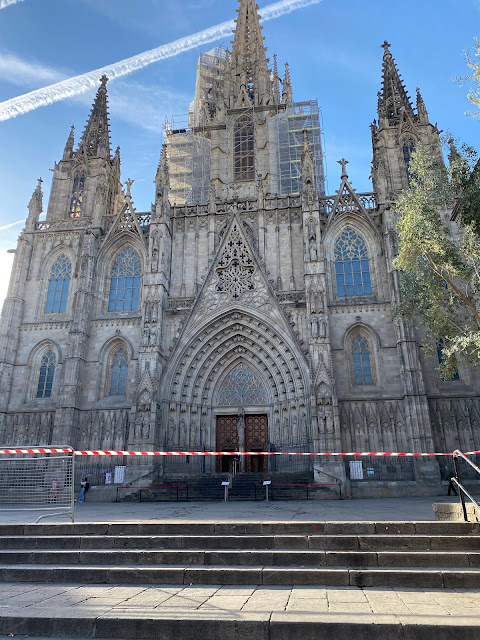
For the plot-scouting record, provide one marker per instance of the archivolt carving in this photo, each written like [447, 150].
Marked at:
[236, 336]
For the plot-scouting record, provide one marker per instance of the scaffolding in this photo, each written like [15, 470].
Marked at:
[209, 86]
[290, 124]
[189, 166]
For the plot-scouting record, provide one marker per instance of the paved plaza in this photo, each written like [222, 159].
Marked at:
[361, 510]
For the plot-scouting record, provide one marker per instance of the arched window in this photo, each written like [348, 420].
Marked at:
[125, 282]
[241, 386]
[352, 270]
[362, 368]
[118, 373]
[77, 194]
[441, 360]
[408, 147]
[45, 376]
[58, 285]
[244, 149]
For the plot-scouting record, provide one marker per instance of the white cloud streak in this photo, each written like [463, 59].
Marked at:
[6, 3]
[12, 224]
[87, 81]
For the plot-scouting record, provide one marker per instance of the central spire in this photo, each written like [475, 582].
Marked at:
[248, 63]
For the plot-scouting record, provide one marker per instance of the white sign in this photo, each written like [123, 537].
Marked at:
[267, 482]
[225, 484]
[119, 475]
[356, 470]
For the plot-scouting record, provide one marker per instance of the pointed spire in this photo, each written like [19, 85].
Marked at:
[287, 94]
[95, 140]
[393, 98]
[276, 80]
[248, 63]
[68, 151]
[35, 206]
[421, 108]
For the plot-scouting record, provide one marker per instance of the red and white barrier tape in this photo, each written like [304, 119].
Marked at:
[377, 454]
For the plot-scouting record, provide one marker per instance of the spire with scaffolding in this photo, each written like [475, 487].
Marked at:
[248, 63]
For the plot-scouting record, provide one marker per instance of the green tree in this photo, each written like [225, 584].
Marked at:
[440, 264]
[473, 63]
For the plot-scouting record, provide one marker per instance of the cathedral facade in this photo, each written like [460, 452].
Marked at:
[247, 310]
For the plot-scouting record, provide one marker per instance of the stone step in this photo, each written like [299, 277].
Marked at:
[243, 557]
[239, 625]
[375, 542]
[240, 528]
[439, 578]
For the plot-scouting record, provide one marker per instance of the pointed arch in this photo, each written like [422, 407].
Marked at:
[361, 346]
[197, 369]
[58, 285]
[244, 148]
[241, 385]
[78, 192]
[125, 280]
[408, 144]
[43, 363]
[352, 267]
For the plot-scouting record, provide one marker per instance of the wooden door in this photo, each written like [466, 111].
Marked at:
[256, 439]
[227, 440]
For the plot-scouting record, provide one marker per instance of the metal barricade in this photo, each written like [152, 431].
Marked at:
[31, 480]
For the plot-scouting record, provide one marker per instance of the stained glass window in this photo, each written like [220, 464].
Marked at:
[241, 387]
[58, 286]
[45, 377]
[77, 195]
[244, 149]
[362, 370]
[118, 374]
[125, 282]
[441, 360]
[352, 270]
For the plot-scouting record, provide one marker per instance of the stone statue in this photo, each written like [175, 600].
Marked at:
[314, 327]
[322, 327]
[313, 250]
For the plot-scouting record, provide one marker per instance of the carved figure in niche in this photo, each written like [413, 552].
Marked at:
[276, 432]
[183, 432]
[286, 430]
[145, 428]
[302, 436]
[171, 432]
[145, 337]
[314, 327]
[313, 250]
[322, 327]
[203, 433]
[321, 419]
[138, 427]
[312, 235]
[152, 338]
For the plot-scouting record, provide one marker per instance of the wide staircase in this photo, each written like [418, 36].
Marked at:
[241, 580]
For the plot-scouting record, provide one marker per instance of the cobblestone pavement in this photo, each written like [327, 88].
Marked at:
[371, 509]
[30, 600]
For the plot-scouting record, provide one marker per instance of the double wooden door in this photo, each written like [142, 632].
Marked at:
[256, 439]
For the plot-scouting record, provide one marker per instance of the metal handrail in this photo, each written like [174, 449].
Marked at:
[463, 492]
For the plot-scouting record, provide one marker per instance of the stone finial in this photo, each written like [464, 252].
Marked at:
[343, 164]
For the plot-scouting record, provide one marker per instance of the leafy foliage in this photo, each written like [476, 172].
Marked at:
[440, 264]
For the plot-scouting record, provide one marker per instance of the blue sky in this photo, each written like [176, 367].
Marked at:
[333, 49]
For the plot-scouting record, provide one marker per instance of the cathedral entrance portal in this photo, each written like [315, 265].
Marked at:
[256, 439]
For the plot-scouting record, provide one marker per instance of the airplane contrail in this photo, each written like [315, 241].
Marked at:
[86, 81]
[12, 224]
[7, 3]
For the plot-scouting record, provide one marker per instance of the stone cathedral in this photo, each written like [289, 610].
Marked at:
[247, 310]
